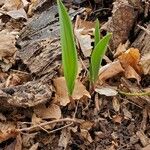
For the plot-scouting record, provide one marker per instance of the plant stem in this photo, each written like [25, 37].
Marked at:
[135, 94]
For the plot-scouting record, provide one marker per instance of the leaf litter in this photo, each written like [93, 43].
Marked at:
[36, 111]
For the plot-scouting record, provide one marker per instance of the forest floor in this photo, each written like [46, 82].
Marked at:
[35, 110]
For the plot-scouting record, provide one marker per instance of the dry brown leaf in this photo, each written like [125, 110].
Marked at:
[146, 147]
[7, 131]
[110, 70]
[61, 91]
[145, 62]
[64, 138]
[34, 146]
[85, 133]
[116, 104]
[7, 49]
[12, 4]
[107, 91]
[18, 143]
[143, 138]
[86, 125]
[83, 30]
[51, 112]
[127, 114]
[120, 49]
[130, 73]
[2, 117]
[17, 14]
[117, 118]
[131, 58]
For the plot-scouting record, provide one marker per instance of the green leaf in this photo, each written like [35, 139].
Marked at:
[97, 56]
[69, 52]
[97, 33]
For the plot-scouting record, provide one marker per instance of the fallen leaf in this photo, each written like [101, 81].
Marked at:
[146, 147]
[127, 114]
[145, 63]
[2, 117]
[116, 104]
[85, 133]
[7, 131]
[17, 14]
[34, 146]
[86, 125]
[110, 70]
[12, 5]
[120, 49]
[62, 94]
[84, 42]
[107, 91]
[51, 112]
[64, 138]
[131, 58]
[143, 138]
[7, 49]
[117, 118]
[83, 30]
[130, 73]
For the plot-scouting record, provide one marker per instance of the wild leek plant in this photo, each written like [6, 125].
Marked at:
[97, 33]
[68, 47]
[97, 56]
[69, 52]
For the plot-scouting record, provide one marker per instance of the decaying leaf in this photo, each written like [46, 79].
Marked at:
[110, 70]
[7, 131]
[116, 104]
[61, 91]
[85, 133]
[130, 62]
[130, 73]
[51, 112]
[12, 4]
[131, 58]
[64, 138]
[83, 31]
[7, 49]
[107, 91]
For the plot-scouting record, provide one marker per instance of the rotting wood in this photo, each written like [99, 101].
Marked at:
[39, 50]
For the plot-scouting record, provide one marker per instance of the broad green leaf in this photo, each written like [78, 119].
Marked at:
[97, 56]
[97, 33]
[69, 52]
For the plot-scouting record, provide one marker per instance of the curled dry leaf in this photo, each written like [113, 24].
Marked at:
[110, 70]
[130, 62]
[61, 91]
[131, 58]
[51, 112]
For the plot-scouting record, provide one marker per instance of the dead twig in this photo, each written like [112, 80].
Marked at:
[48, 123]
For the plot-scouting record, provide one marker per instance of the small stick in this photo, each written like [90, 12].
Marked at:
[48, 123]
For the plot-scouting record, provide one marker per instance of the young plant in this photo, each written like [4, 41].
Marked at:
[69, 52]
[99, 51]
